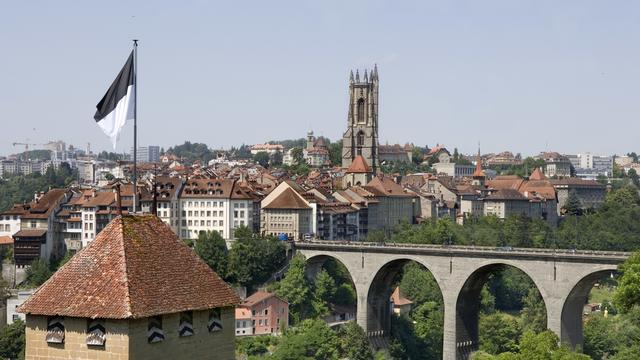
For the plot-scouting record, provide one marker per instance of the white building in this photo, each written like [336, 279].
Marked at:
[13, 303]
[268, 148]
[214, 205]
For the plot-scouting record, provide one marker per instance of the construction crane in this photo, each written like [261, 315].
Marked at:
[26, 146]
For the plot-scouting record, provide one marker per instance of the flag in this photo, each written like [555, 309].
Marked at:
[118, 104]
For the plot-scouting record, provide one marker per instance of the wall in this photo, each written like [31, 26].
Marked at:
[75, 345]
[219, 345]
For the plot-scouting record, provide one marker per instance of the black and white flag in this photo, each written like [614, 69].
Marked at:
[118, 104]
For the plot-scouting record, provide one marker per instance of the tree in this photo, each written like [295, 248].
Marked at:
[12, 340]
[253, 260]
[276, 158]
[294, 287]
[335, 153]
[212, 248]
[354, 342]
[262, 158]
[633, 175]
[419, 285]
[600, 338]
[573, 205]
[311, 340]
[38, 273]
[416, 155]
[324, 290]
[627, 294]
[498, 333]
[297, 155]
[534, 314]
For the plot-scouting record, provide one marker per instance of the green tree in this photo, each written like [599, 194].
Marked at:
[294, 288]
[276, 158]
[354, 343]
[627, 294]
[212, 248]
[600, 338]
[335, 153]
[253, 260]
[37, 273]
[534, 314]
[297, 155]
[419, 285]
[323, 292]
[262, 158]
[573, 205]
[429, 328]
[633, 175]
[311, 340]
[499, 333]
[12, 341]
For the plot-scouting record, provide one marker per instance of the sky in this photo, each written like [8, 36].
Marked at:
[524, 76]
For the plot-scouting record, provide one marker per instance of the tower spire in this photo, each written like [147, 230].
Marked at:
[375, 71]
[357, 76]
[351, 77]
[366, 78]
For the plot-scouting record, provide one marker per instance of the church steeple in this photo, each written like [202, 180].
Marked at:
[478, 174]
[361, 137]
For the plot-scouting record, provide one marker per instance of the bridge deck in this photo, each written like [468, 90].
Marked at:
[468, 251]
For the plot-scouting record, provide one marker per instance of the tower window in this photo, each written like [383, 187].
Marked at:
[359, 142]
[361, 110]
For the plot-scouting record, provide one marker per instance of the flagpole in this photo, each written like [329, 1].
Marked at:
[135, 124]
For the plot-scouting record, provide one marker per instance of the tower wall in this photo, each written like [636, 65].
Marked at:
[361, 137]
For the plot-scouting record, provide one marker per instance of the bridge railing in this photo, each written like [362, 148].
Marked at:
[466, 248]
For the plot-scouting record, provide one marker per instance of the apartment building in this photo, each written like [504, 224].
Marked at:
[214, 205]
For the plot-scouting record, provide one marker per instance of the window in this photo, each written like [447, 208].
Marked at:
[208, 222]
[190, 213]
[241, 213]
[185, 328]
[221, 223]
[215, 213]
[235, 205]
[201, 203]
[33, 224]
[208, 213]
[253, 312]
[361, 110]
[260, 322]
[154, 330]
[201, 222]
[195, 204]
[208, 203]
[235, 213]
[96, 333]
[215, 320]
[55, 330]
[359, 142]
[190, 222]
[266, 312]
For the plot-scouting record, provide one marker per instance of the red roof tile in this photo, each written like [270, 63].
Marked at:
[288, 199]
[359, 165]
[135, 268]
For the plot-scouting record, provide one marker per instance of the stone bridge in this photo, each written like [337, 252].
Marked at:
[563, 277]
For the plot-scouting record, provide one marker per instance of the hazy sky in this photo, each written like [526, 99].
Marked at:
[518, 75]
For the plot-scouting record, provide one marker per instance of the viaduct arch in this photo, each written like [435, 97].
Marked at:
[562, 277]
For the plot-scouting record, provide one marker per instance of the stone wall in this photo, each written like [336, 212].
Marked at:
[219, 345]
[75, 341]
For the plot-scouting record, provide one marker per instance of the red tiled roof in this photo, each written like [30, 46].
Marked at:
[288, 199]
[6, 240]
[384, 186]
[242, 313]
[30, 233]
[257, 297]
[537, 174]
[359, 165]
[398, 299]
[135, 268]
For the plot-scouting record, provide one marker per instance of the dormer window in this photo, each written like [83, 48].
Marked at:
[96, 333]
[155, 333]
[55, 330]
[215, 320]
[185, 328]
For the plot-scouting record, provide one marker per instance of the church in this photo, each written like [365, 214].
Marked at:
[361, 137]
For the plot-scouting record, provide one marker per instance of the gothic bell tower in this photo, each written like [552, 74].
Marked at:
[361, 137]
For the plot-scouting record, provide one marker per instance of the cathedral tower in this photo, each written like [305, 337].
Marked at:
[361, 137]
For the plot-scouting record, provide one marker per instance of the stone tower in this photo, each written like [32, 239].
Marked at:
[361, 137]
